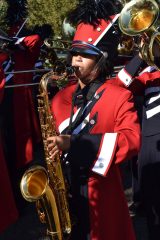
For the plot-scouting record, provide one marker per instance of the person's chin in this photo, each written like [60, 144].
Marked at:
[79, 74]
[85, 81]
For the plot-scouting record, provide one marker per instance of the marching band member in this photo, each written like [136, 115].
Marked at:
[144, 81]
[23, 56]
[99, 129]
[19, 54]
[21, 124]
[8, 210]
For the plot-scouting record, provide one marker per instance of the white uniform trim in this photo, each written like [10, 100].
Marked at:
[7, 66]
[106, 155]
[38, 64]
[152, 99]
[148, 69]
[65, 123]
[82, 125]
[106, 30]
[150, 113]
[19, 40]
[125, 77]
[8, 77]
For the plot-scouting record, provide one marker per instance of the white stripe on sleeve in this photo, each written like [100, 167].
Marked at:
[150, 113]
[65, 123]
[106, 154]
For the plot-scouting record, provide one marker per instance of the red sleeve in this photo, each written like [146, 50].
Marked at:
[134, 78]
[128, 128]
[32, 42]
[124, 142]
[147, 77]
[136, 87]
[2, 82]
[128, 77]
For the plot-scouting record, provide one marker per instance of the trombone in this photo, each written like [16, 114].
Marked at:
[141, 18]
[25, 71]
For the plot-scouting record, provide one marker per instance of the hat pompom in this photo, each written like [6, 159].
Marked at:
[90, 11]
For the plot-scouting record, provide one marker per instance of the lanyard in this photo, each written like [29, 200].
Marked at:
[87, 106]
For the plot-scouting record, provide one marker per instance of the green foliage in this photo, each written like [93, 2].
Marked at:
[3, 10]
[52, 12]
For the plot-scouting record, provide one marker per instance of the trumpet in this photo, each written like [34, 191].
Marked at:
[141, 18]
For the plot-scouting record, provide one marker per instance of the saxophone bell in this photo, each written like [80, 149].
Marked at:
[35, 188]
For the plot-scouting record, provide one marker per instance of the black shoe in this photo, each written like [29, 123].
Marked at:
[136, 209]
[132, 210]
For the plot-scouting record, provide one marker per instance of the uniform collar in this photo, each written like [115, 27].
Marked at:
[82, 96]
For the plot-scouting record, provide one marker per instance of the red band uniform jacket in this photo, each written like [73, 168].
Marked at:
[8, 210]
[108, 135]
[25, 122]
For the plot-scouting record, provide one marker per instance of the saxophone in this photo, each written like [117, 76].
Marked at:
[46, 185]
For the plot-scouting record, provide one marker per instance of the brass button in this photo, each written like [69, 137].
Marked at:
[97, 97]
[92, 121]
[101, 165]
[90, 39]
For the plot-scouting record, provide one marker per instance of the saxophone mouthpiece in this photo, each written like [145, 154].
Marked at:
[71, 69]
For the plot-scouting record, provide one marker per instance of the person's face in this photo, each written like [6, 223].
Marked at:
[85, 67]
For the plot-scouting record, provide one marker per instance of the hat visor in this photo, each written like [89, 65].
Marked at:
[83, 50]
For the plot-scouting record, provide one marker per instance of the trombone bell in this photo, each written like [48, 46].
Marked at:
[142, 21]
[138, 16]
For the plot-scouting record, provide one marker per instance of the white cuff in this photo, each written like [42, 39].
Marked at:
[125, 77]
[106, 154]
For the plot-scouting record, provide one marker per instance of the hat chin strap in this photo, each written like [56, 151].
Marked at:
[96, 67]
[105, 54]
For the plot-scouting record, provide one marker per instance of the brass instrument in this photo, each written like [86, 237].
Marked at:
[58, 44]
[47, 187]
[140, 18]
[126, 45]
[53, 50]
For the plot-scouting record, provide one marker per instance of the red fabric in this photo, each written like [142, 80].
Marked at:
[109, 216]
[141, 82]
[8, 210]
[3, 57]
[148, 76]
[89, 33]
[27, 129]
[2, 82]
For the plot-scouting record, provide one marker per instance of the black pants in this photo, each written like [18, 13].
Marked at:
[149, 172]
